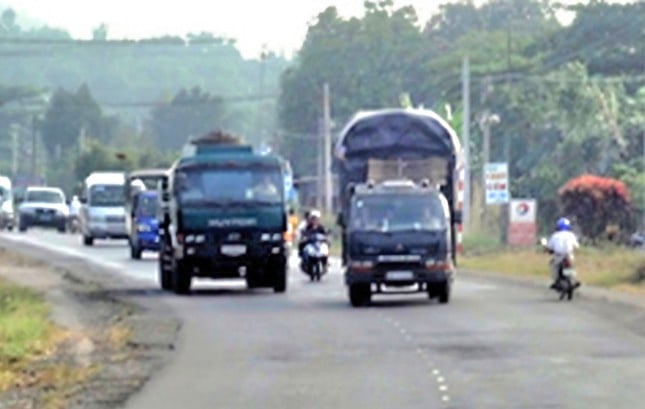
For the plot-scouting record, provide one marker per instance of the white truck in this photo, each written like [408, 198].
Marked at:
[7, 216]
[102, 213]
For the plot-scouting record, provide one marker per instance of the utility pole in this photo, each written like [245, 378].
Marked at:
[14, 149]
[327, 150]
[320, 171]
[260, 124]
[485, 122]
[465, 133]
[34, 149]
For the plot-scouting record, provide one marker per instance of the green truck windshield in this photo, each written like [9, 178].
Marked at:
[229, 185]
[401, 212]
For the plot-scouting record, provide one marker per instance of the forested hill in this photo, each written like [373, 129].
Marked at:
[132, 76]
[568, 98]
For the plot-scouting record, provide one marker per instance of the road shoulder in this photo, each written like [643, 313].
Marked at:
[590, 292]
[113, 336]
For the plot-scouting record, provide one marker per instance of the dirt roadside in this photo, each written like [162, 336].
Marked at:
[117, 342]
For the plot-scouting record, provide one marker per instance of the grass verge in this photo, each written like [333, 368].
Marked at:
[611, 267]
[26, 332]
[38, 359]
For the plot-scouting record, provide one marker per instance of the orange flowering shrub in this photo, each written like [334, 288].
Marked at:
[595, 203]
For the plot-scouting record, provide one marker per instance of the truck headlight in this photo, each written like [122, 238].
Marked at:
[437, 265]
[276, 237]
[361, 265]
[195, 238]
[265, 237]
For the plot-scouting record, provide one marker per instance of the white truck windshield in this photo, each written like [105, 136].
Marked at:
[106, 196]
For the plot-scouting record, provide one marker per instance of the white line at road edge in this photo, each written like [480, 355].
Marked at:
[61, 249]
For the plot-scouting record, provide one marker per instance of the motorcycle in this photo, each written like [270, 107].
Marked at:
[567, 281]
[73, 224]
[315, 255]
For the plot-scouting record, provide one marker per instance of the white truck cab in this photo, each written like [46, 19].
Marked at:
[102, 213]
[7, 217]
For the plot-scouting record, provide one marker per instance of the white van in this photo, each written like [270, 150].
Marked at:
[102, 213]
[7, 219]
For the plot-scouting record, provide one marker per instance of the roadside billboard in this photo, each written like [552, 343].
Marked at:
[496, 183]
[522, 227]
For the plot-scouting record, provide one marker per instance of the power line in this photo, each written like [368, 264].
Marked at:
[230, 98]
[162, 41]
[591, 45]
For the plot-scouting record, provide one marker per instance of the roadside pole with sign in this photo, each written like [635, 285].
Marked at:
[522, 228]
[496, 183]
[496, 192]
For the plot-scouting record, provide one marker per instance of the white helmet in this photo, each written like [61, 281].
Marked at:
[137, 186]
[315, 213]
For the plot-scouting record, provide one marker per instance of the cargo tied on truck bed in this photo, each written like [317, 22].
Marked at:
[397, 172]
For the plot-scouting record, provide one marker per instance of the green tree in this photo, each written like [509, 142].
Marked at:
[98, 157]
[608, 38]
[367, 62]
[100, 33]
[189, 114]
[71, 114]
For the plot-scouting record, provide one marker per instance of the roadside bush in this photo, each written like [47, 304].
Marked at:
[600, 206]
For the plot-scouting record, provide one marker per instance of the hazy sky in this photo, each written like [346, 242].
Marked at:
[280, 24]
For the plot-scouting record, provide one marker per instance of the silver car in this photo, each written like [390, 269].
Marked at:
[44, 207]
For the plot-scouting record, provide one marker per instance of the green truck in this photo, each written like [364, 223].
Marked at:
[223, 216]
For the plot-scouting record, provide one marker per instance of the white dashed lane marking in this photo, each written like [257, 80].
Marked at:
[440, 380]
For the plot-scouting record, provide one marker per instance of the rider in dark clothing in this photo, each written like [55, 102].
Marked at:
[313, 227]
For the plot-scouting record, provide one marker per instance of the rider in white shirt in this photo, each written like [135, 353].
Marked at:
[563, 243]
[74, 206]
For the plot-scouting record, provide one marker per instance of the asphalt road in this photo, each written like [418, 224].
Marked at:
[496, 345]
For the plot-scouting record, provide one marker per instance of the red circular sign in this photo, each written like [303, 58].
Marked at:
[522, 208]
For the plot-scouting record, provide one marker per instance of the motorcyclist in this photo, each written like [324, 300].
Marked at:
[302, 225]
[74, 206]
[562, 243]
[74, 213]
[312, 227]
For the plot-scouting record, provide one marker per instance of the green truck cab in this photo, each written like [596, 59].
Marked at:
[223, 216]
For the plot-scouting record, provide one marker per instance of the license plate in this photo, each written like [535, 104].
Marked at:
[569, 272]
[399, 275]
[233, 250]
[46, 217]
